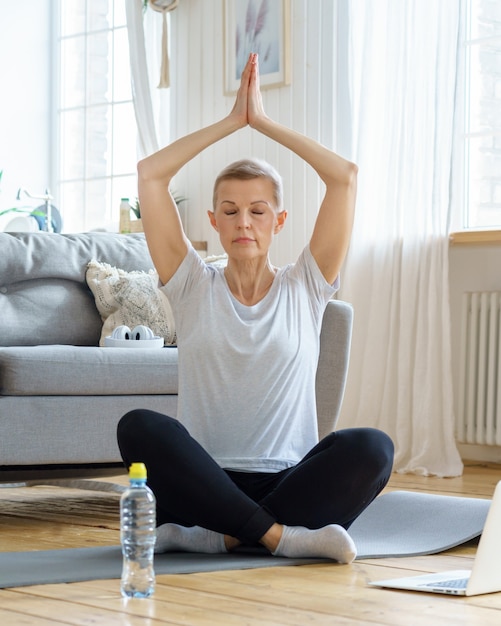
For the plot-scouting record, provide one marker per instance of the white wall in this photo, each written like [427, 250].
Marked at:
[307, 105]
[472, 268]
[25, 102]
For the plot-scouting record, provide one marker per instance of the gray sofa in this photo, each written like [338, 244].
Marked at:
[61, 395]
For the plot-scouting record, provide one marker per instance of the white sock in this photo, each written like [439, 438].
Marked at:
[332, 542]
[174, 538]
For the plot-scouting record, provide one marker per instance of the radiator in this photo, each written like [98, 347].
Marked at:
[479, 411]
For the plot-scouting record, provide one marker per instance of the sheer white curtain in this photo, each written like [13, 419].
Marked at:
[402, 63]
[151, 105]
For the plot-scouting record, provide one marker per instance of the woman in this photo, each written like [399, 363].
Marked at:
[243, 464]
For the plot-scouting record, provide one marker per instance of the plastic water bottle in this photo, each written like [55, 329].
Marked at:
[137, 535]
[124, 216]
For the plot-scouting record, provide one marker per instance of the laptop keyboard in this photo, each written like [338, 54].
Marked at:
[458, 583]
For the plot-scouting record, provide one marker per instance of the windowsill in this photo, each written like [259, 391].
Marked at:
[475, 237]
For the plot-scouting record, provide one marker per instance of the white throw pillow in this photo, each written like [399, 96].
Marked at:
[130, 298]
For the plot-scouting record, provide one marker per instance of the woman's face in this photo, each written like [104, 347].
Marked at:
[246, 216]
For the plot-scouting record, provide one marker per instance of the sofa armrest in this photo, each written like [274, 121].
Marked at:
[332, 371]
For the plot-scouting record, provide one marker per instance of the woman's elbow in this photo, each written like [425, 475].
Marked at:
[346, 175]
[144, 172]
[351, 173]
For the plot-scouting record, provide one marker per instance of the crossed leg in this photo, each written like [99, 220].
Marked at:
[302, 511]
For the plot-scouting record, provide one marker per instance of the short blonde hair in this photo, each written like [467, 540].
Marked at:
[247, 169]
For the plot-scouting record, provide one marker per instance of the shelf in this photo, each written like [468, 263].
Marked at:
[475, 237]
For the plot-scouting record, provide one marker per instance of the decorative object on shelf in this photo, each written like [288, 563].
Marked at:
[163, 7]
[21, 224]
[263, 27]
[41, 216]
[128, 225]
[45, 217]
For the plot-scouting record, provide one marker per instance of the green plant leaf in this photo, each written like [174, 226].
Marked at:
[21, 210]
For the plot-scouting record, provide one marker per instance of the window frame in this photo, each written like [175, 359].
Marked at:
[114, 191]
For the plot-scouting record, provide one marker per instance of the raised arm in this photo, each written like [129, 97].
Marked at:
[331, 234]
[166, 239]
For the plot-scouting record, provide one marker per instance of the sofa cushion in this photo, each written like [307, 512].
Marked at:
[44, 298]
[26, 256]
[48, 311]
[130, 298]
[93, 371]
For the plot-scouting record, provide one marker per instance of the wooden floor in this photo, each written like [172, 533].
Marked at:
[38, 518]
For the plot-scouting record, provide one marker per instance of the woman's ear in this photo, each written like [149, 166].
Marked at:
[212, 220]
[281, 217]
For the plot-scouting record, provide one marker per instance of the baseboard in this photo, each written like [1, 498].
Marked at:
[475, 452]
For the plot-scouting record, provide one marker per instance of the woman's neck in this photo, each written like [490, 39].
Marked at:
[249, 281]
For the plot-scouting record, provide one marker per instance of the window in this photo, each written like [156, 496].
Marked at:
[482, 133]
[96, 123]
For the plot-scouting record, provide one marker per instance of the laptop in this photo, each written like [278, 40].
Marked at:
[484, 577]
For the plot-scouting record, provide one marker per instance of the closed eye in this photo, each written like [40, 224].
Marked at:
[259, 207]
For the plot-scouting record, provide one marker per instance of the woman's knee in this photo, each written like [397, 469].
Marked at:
[382, 448]
[140, 425]
[131, 424]
[128, 422]
[371, 446]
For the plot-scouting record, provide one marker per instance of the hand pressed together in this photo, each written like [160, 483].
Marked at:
[248, 107]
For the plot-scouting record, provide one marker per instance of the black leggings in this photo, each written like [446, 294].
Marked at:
[333, 484]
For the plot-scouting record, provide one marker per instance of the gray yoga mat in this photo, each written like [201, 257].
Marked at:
[396, 524]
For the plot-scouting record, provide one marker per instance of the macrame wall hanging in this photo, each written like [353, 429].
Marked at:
[163, 7]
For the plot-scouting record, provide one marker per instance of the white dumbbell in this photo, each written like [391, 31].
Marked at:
[122, 332]
[142, 332]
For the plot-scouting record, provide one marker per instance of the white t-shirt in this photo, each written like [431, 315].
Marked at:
[247, 373]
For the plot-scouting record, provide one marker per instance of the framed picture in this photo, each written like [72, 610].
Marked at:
[261, 26]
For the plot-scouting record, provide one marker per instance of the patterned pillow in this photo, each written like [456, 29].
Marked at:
[130, 298]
